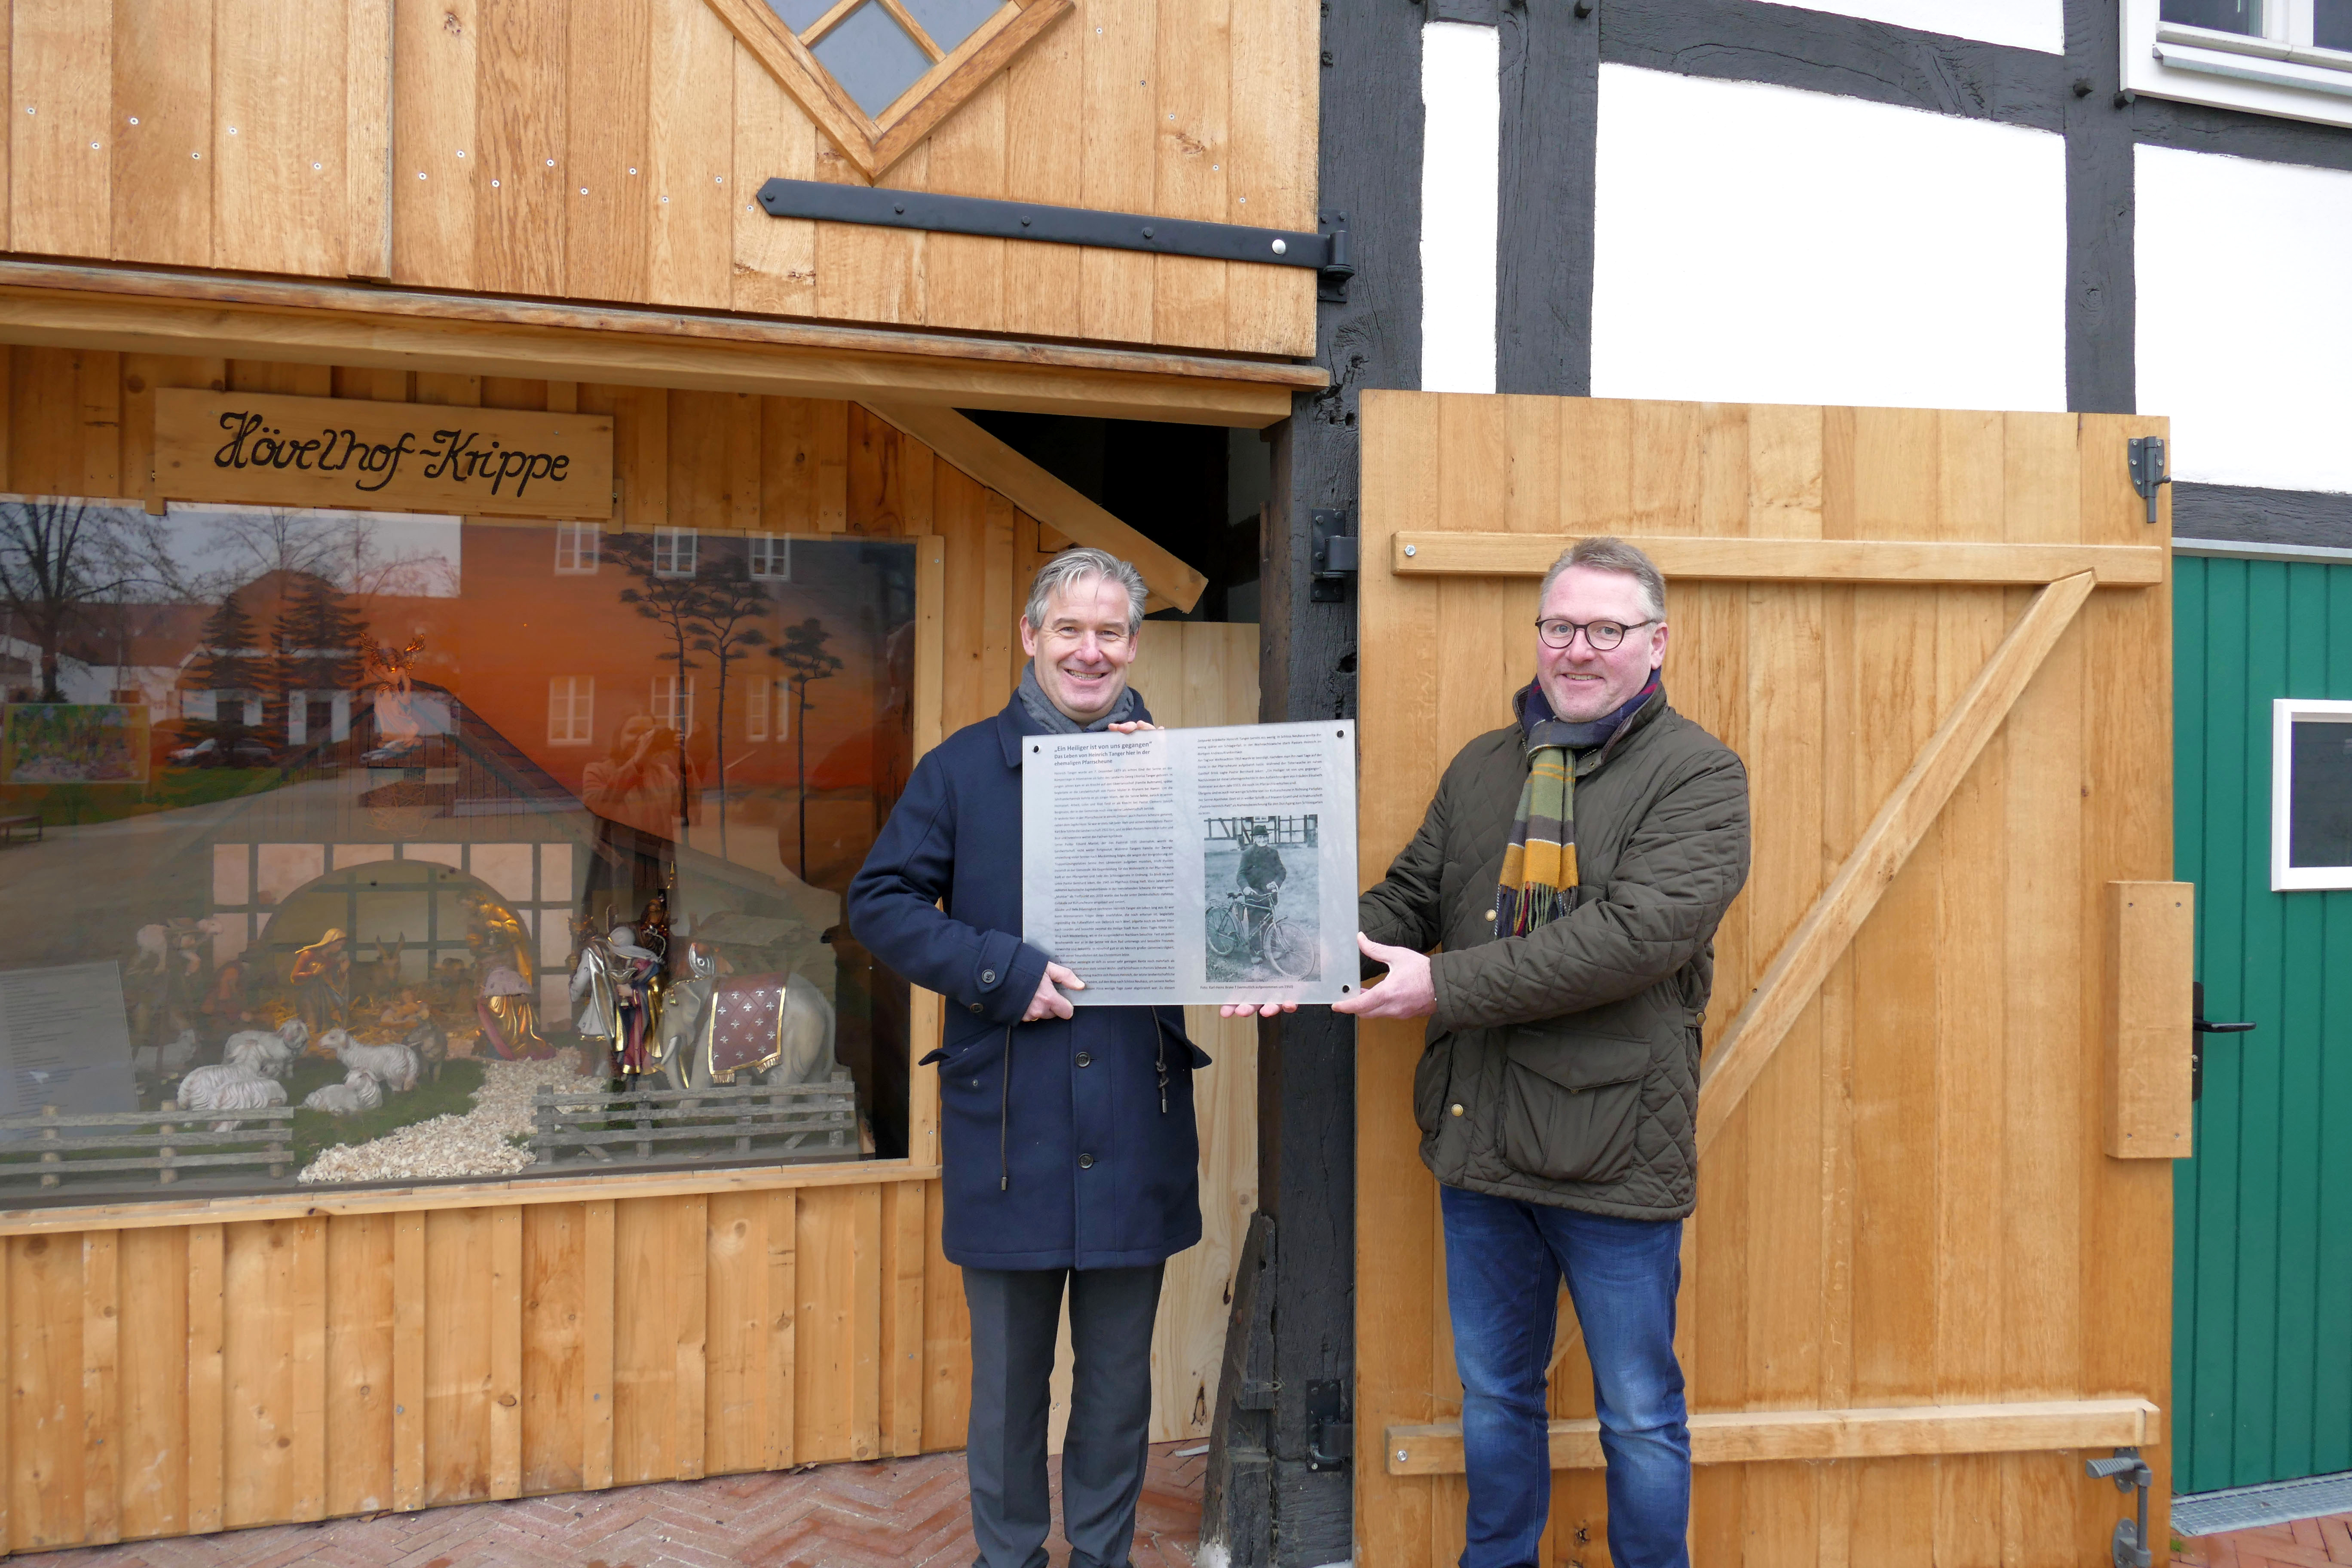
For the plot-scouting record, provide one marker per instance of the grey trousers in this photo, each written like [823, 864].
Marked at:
[1015, 1316]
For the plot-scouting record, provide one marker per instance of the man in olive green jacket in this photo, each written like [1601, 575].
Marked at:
[1572, 872]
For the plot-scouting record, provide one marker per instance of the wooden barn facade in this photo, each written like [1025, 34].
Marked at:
[804, 342]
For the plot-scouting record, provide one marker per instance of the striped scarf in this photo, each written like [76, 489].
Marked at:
[1539, 876]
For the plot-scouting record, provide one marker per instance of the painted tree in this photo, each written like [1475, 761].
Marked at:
[674, 601]
[725, 619]
[61, 557]
[230, 660]
[802, 655]
[315, 643]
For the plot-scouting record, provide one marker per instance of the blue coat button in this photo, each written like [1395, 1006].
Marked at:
[1085, 1162]
[1086, 1060]
[988, 977]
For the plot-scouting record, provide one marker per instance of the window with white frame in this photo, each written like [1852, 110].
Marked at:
[571, 710]
[2310, 794]
[577, 545]
[771, 557]
[674, 703]
[673, 550]
[767, 710]
[2290, 58]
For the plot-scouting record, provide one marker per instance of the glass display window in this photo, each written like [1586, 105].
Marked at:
[352, 848]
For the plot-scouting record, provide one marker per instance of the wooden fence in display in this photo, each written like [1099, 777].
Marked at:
[187, 1365]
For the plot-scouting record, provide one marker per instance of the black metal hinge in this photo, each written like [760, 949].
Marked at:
[1336, 555]
[1325, 253]
[2146, 458]
[1331, 1434]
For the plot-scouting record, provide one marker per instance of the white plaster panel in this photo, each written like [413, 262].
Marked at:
[449, 855]
[1461, 171]
[232, 874]
[347, 855]
[554, 1000]
[2021, 23]
[1757, 244]
[554, 937]
[2243, 340]
[555, 873]
[506, 867]
[285, 866]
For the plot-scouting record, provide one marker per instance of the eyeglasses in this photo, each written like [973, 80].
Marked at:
[1599, 636]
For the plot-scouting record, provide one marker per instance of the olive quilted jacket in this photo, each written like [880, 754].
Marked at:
[1562, 1066]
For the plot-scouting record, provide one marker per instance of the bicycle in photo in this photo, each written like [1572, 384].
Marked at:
[1247, 922]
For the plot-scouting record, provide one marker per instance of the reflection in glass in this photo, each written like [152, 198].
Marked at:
[320, 794]
[2244, 17]
[872, 58]
[2331, 23]
[2319, 799]
[950, 22]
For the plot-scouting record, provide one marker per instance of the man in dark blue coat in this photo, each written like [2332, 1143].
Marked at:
[1070, 1148]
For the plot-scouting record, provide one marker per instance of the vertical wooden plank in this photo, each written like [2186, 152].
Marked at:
[596, 1343]
[207, 1432]
[606, 213]
[162, 59]
[359, 1274]
[1271, 310]
[102, 1413]
[1044, 162]
[831, 467]
[734, 1409]
[690, 1249]
[641, 455]
[45, 448]
[788, 464]
[1002, 597]
[44, 1390]
[554, 1346]
[946, 1339]
[506, 1322]
[367, 381]
[151, 1353]
[871, 274]
[307, 1404]
[781, 1247]
[408, 1313]
[1115, 133]
[8, 1407]
[368, 85]
[775, 259]
[60, 180]
[459, 1316]
[435, 130]
[742, 496]
[826, 1354]
[259, 1374]
[1191, 150]
[866, 1370]
[520, 117]
[965, 275]
[97, 418]
[689, 254]
[647, 1299]
[282, 202]
[2150, 961]
[901, 1267]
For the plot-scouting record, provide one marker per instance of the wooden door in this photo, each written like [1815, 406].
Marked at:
[1929, 1269]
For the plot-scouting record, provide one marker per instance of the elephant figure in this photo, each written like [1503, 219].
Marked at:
[803, 1041]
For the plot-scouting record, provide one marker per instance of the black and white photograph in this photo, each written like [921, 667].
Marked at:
[1259, 884]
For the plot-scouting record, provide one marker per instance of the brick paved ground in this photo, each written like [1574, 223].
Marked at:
[899, 1513]
[2305, 1543]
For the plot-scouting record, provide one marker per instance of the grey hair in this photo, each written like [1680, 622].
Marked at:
[1072, 567]
[1602, 552]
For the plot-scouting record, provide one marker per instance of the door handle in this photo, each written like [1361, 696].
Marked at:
[2199, 1027]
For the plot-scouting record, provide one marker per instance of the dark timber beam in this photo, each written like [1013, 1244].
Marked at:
[2101, 304]
[1295, 1308]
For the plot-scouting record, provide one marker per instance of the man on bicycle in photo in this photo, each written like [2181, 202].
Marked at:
[1262, 872]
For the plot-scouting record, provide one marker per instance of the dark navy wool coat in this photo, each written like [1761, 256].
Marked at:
[1067, 1142]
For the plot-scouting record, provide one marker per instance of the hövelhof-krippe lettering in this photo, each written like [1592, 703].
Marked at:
[460, 456]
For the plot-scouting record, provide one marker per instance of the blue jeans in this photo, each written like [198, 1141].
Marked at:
[1504, 1263]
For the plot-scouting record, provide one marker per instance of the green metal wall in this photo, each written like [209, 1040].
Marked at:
[2263, 1258]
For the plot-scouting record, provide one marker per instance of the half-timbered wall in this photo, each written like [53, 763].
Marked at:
[611, 149]
[174, 1368]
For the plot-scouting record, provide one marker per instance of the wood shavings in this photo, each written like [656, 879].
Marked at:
[477, 1143]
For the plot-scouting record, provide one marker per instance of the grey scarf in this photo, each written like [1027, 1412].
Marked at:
[1041, 708]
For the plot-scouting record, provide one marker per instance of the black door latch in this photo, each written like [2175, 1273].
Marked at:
[2199, 1027]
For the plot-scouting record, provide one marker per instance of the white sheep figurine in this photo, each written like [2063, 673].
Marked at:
[396, 1067]
[170, 1060]
[269, 1052]
[228, 1086]
[359, 1092]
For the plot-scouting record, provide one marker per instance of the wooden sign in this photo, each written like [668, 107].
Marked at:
[381, 457]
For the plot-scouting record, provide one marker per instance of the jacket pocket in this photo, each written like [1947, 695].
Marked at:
[1430, 1076]
[1569, 1104]
[970, 1057]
